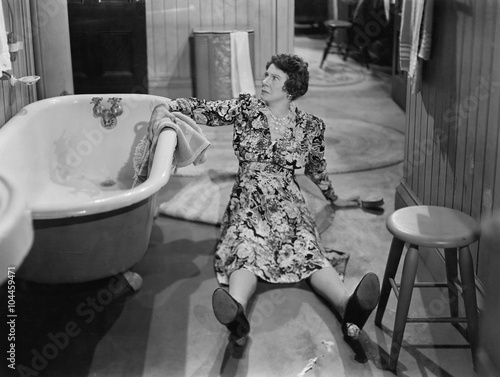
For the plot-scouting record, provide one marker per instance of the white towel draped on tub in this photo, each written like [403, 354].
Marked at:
[241, 66]
[191, 142]
[5, 63]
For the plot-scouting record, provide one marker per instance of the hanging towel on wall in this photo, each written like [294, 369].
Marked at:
[411, 20]
[5, 63]
[241, 66]
[424, 51]
[415, 38]
[387, 8]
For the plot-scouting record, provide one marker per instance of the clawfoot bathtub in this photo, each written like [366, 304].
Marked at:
[77, 173]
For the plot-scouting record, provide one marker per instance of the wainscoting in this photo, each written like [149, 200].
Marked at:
[452, 124]
[17, 21]
[171, 24]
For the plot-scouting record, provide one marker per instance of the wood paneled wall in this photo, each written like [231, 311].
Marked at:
[171, 24]
[452, 136]
[12, 99]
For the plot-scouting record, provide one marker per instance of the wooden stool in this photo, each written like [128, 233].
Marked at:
[332, 26]
[432, 227]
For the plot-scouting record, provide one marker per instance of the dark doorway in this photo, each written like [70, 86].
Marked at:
[108, 46]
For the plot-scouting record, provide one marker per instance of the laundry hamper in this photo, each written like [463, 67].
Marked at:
[212, 61]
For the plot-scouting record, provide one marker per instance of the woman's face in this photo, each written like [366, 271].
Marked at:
[272, 85]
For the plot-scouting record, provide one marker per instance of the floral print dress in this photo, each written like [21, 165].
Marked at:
[267, 227]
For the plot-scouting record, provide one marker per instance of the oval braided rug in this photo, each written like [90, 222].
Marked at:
[352, 145]
[334, 72]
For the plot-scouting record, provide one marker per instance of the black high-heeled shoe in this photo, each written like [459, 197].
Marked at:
[230, 313]
[360, 305]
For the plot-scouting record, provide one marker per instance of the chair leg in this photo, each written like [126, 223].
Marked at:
[366, 57]
[346, 53]
[391, 268]
[405, 292]
[452, 277]
[470, 301]
[329, 43]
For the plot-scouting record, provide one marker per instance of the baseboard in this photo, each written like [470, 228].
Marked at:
[405, 197]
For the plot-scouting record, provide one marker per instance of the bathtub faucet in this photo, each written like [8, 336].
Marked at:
[98, 108]
[108, 116]
[116, 109]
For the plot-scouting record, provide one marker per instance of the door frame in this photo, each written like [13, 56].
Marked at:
[52, 49]
[116, 19]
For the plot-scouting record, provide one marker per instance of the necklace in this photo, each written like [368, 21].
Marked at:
[280, 124]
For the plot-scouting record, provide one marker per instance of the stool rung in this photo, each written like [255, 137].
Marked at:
[430, 285]
[396, 286]
[437, 319]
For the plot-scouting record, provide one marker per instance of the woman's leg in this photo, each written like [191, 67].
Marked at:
[354, 309]
[229, 307]
[242, 285]
[327, 283]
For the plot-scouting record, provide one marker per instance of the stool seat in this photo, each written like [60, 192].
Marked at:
[337, 23]
[436, 228]
[432, 226]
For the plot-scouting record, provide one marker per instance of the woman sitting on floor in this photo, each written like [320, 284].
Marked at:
[267, 230]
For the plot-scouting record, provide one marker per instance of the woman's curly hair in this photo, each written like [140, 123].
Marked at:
[296, 68]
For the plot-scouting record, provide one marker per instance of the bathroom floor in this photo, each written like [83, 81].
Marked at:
[167, 328]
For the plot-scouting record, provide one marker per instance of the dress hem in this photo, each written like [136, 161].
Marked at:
[224, 279]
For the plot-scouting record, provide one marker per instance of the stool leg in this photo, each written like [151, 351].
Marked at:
[366, 57]
[469, 294]
[405, 292]
[329, 42]
[391, 268]
[450, 257]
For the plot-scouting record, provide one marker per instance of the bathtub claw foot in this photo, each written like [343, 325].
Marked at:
[133, 279]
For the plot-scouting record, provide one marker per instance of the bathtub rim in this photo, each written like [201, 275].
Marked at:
[158, 176]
